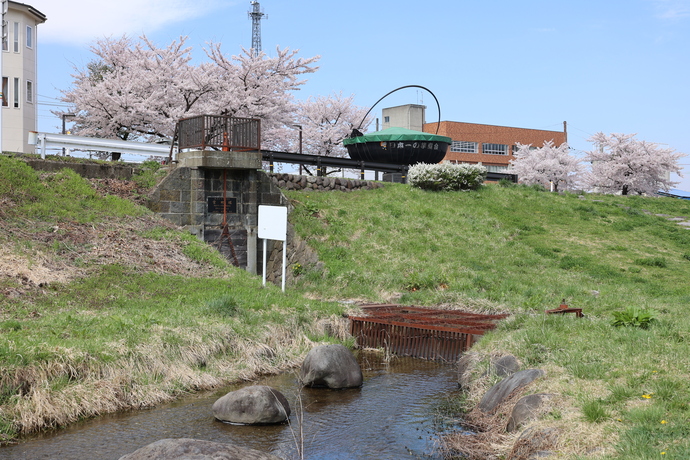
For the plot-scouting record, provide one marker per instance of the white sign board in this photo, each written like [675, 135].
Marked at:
[273, 222]
[273, 226]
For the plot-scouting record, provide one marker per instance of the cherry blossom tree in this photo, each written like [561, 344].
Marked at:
[324, 121]
[137, 90]
[623, 164]
[257, 86]
[546, 165]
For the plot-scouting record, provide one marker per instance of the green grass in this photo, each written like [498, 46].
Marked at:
[60, 197]
[121, 336]
[148, 174]
[517, 249]
[508, 245]
[524, 250]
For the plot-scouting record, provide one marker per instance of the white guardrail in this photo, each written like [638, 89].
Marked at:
[45, 141]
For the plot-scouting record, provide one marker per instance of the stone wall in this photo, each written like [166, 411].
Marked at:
[85, 169]
[295, 182]
[192, 198]
[300, 257]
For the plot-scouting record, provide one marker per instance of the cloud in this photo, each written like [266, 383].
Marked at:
[79, 22]
[672, 9]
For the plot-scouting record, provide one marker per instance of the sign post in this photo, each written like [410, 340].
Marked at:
[273, 226]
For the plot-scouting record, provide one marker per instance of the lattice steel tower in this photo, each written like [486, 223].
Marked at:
[256, 14]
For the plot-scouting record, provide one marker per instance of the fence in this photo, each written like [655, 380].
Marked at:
[46, 141]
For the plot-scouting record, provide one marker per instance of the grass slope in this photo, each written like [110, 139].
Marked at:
[522, 250]
[104, 306]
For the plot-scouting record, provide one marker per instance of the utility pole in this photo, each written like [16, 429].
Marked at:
[565, 130]
[255, 15]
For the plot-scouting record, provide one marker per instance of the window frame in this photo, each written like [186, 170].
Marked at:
[5, 91]
[16, 97]
[497, 168]
[493, 149]
[15, 31]
[29, 87]
[464, 147]
[29, 37]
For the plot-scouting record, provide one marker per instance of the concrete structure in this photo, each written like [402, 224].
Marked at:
[19, 76]
[208, 189]
[410, 116]
[192, 193]
[492, 146]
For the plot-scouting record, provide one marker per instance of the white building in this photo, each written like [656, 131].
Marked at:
[408, 116]
[19, 76]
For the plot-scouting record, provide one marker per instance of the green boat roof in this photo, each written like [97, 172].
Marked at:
[396, 134]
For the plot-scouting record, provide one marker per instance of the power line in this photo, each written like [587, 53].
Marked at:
[48, 97]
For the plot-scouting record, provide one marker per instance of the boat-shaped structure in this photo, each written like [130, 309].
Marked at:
[398, 146]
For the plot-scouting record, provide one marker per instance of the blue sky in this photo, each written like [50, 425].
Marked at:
[601, 65]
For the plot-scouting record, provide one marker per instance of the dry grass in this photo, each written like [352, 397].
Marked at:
[559, 425]
[59, 393]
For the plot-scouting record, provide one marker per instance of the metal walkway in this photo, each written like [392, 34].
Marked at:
[420, 332]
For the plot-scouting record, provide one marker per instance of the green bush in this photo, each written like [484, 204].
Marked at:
[446, 177]
[149, 174]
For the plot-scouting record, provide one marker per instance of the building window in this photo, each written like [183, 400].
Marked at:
[496, 168]
[5, 83]
[464, 147]
[16, 93]
[16, 37]
[29, 91]
[386, 119]
[5, 44]
[516, 148]
[495, 149]
[29, 37]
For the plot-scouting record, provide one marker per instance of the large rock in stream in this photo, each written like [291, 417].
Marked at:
[331, 366]
[195, 449]
[254, 405]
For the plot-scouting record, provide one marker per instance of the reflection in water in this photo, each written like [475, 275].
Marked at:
[389, 417]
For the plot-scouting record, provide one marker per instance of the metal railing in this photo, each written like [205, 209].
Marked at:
[45, 141]
[219, 132]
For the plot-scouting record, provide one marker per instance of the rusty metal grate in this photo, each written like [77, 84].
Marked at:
[420, 332]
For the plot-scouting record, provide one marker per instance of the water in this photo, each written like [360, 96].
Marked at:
[390, 417]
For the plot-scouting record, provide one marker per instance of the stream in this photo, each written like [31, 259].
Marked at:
[392, 416]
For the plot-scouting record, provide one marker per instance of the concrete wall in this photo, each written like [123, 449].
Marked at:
[88, 170]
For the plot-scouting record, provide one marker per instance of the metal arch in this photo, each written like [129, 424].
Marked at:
[438, 125]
